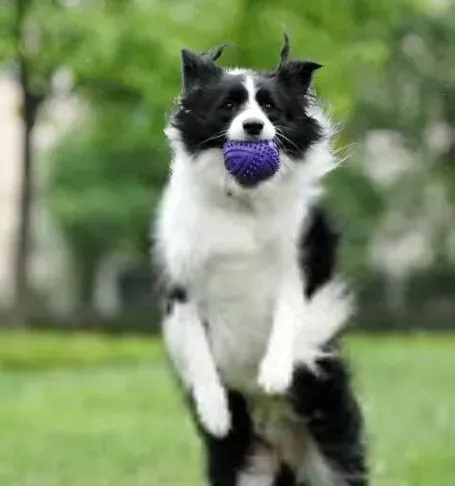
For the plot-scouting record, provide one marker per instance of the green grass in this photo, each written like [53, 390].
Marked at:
[120, 421]
[47, 350]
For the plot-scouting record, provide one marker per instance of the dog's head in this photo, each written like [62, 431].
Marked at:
[216, 105]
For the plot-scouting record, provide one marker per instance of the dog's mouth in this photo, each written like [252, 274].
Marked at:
[252, 138]
[251, 162]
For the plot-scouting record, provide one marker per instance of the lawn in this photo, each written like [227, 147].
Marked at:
[95, 412]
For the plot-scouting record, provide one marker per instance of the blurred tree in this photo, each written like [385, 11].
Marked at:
[350, 38]
[124, 60]
[18, 46]
[96, 42]
[413, 99]
[38, 38]
[130, 76]
[102, 187]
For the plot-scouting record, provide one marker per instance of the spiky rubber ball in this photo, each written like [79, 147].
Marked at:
[251, 162]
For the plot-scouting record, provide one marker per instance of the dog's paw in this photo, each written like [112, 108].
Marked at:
[213, 410]
[275, 374]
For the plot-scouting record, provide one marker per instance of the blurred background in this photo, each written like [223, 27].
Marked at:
[85, 86]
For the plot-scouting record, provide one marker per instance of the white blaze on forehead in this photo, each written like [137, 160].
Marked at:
[251, 111]
[237, 71]
[251, 88]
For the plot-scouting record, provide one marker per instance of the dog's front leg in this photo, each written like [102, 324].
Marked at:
[275, 373]
[189, 349]
[301, 329]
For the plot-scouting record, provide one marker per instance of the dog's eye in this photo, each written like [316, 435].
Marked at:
[227, 106]
[268, 106]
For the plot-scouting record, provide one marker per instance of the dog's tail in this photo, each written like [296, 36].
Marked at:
[329, 311]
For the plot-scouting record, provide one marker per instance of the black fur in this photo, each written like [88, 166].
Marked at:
[285, 477]
[334, 419]
[175, 294]
[318, 250]
[226, 457]
[198, 70]
[204, 113]
[289, 102]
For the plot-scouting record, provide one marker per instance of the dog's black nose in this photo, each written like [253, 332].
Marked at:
[253, 127]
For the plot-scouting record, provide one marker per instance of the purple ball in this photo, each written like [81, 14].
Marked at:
[251, 162]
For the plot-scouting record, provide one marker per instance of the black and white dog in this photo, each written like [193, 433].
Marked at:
[253, 303]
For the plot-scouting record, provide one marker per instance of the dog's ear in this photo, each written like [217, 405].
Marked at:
[296, 73]
[198, 69]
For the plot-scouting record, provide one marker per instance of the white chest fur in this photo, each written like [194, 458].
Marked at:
[237, 298]
[231, 257]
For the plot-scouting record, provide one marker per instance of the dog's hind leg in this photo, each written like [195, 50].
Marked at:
[325, 401]
[227, 457]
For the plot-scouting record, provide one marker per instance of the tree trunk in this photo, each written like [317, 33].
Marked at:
[21, 289]
[31, 102]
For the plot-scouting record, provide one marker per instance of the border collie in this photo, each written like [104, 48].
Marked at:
[253, 301]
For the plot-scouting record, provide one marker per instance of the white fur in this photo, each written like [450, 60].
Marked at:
[188, 347]
[234, 250]
[251, 112]
[290, 315]
[331, 305]
[260, 470]
[316, 471]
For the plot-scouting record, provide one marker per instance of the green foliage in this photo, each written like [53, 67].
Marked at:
[349, 38]
[414, 97]
[419, 74]
[7, 40]
[124, 57]
[129, 74]
[357, 206]
[50, 351]
[102, 188]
